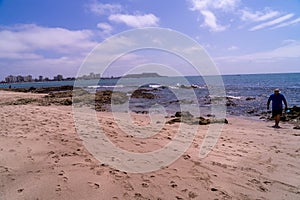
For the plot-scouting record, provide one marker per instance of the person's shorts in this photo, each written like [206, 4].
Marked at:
[276, 112]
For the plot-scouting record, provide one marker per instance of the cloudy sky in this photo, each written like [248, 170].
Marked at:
[52, 37]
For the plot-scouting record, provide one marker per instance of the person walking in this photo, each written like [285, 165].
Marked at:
[277, 98]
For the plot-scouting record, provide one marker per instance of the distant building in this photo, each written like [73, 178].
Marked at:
[27, 78]
[11, 79]
[58, 78]
[20, 78]
[90, 76]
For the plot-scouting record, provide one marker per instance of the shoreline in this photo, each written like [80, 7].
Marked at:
[62, 95]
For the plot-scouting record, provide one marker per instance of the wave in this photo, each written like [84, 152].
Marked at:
[233, 97]
[104, 86]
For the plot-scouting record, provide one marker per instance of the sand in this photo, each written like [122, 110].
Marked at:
[43, 157]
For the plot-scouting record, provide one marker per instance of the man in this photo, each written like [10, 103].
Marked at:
[277, 100]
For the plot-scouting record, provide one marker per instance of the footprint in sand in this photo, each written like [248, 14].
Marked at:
[258, 185]
[11, 150]
[61, 173]
[128, 187]
[3, 169]
[94, 185]
[20, 190]
[58, 188]
[192, 195]
[145, 185]
[186, 156]
[173, 184]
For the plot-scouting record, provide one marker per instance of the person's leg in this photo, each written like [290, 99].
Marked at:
[277, 119]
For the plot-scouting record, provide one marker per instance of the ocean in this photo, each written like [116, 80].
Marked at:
[246, 94]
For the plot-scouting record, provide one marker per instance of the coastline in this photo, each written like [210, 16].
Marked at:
[43, 157]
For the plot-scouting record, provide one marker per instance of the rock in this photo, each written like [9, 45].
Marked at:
[66, 102]
[250, 98]
[60, 94]
[250, 111]
[43, 89]
[173, 121]
[142, 93]
[225, 121]
[297, 127]
[194, 121]
[230, 102]
[293, 114]
[51, 89]
[185, 114]
[23, 101]
[210, 115]
[203, 121]
[295, 109]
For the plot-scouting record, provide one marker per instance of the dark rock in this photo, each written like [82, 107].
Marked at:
[51, 89]
[230, 103]
[221, 121]
[173, 121]
[293, 114]
[32, 89]
[203, 121]
[185, 114]
[63, 94]
[250, 111]
[210, 115]
[295, 109]
[142, 93]
[66, 102]
[22, 101]
[108, 96]
[297, 127]
[44, 89]
[195, 121]
[250, 98]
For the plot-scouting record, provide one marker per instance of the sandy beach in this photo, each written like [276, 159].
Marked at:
[43, 157]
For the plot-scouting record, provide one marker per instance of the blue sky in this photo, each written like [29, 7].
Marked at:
[52, 37]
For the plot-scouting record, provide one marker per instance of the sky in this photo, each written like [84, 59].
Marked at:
[53, 37]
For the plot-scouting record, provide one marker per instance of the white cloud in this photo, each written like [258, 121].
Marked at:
[290, 50]
[285, 58]
[104, 9]
[135, 21]
[105, 27]
[32, 49]
[211, 10]
[207, 9]
[211, 21]
[225, 5]
[273, 22]
[28, 39]
[295, 21]
[257, 16]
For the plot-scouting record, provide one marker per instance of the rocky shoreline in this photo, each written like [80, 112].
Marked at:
[101, 101]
